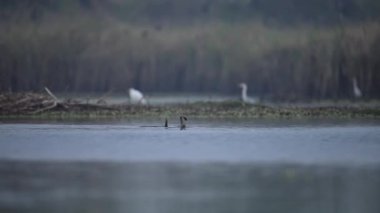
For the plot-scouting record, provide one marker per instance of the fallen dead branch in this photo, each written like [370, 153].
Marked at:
[51, 94]
[35, 103]
[45, 109]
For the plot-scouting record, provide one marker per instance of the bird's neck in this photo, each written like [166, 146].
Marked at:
[244, 93]
[182, 123]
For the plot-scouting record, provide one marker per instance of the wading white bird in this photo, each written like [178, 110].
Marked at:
[136, 97]
[244, 97]
[357, 91]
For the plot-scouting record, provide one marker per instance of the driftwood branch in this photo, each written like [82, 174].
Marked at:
[51, 94]
[34, 103]
[23, 100]
[46, 108]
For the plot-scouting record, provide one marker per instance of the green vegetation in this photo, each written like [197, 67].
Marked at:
[47, 106]
[283, 49]
[204, 110]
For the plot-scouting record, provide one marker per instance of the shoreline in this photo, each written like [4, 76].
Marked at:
[228, 109]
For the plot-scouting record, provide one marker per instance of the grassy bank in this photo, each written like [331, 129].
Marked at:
[206, 110]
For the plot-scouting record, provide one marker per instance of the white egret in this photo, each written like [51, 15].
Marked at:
[136, 97]
[244, 97]
[356, 89]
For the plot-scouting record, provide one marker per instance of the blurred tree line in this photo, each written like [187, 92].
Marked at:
[283, 49]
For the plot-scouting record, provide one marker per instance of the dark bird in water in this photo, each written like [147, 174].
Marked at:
[182, 120]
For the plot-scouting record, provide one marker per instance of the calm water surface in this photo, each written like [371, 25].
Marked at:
[212, 166]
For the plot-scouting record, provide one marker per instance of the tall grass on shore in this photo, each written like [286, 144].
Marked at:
[280, 63]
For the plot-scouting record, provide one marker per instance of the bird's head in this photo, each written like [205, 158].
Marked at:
[242, 85]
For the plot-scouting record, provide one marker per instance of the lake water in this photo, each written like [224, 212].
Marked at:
[212, 166]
